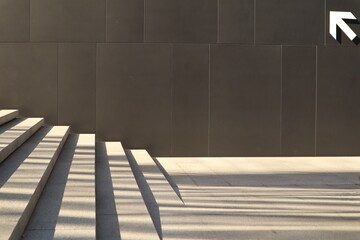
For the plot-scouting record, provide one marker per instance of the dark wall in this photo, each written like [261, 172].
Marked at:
[187, 77]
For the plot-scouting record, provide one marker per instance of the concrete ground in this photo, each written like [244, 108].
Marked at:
[263, 198]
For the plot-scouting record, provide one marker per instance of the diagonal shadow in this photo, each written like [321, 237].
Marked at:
[169, 179]
[149, 199]
[9, 125]
[107, 223]
[339, 32]
[47, 210]
[8, 167]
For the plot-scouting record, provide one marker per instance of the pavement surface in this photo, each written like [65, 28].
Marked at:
[264, 198]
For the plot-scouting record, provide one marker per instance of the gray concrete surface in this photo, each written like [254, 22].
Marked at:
[19, 195]
[194, 77]
[121, 210]
[43, 220]
[130, 195]
[77, 215]
[7, 115]
[11, 137]
[267, 198]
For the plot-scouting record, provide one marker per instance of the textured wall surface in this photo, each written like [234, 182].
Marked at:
[187, 77]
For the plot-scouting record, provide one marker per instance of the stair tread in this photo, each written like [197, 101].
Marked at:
[12, 162]
[19, 195]
[77, 215]
[7, 115]
[159, 185]
[132, 215]
[13, 137]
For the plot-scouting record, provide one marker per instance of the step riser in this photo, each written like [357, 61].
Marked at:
[129, 207]
[137, 214]
[159, 185]
[37, 167]
[8, 116]
[10, 148]
[21, 226]
[77, 215]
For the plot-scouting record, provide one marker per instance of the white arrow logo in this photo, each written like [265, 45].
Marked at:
[337, 21]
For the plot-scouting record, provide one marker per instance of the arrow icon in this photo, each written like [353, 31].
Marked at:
[338, 23]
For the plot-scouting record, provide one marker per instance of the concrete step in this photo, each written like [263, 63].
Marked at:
[12, 137]
[163, 192]
[163, 203]
[20, 194]
[8, 167]
[6, 115]
[43, 220]
[121, 211]
[77, 216]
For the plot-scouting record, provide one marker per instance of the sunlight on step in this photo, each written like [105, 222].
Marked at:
[77, 217]
[129, 215]
[26, 194]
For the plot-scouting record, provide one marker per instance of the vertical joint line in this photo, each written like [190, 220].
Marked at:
[172, 100]
[209, 89]
[96, 79]
[218, 21]
[316, 98]
[57, 81]
[105, 21]
[254, 22]
[325, 21]
[29, 21]
[281, 94]
[144, 21]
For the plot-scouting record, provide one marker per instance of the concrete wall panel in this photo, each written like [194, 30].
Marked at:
[133, 95]
[236, 21]
[298, 100]
[186, 77]
[190, 100]
[338, 116]
[289, 22]
[181, 21]
[245, 95]
[77, 86]
[29, 79]
[14, 21]
[125, 20]
[67, 20]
